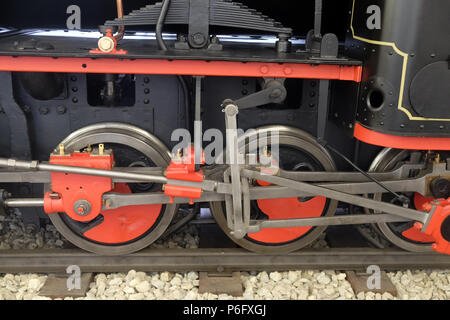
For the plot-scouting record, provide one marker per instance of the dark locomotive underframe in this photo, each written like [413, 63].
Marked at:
[54, 86]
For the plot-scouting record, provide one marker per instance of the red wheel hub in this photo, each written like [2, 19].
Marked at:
[438, 226]
[126, 223]
[413, 234]
[290, 208]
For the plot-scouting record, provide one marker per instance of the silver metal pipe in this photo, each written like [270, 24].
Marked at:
[24, 203]
[257, 226]
[344, 197]
[102, 173]
[14, 176]
[36, 166]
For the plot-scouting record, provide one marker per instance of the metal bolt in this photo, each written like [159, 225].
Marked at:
[82, 207]
[61, 149]
[55, 196]
[215, 40]
[61, 110]
[109, 203]
[231, 110]
[44, 110]
[199, 38]
[276, 93]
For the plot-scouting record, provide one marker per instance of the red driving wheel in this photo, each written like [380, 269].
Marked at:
[126, 223]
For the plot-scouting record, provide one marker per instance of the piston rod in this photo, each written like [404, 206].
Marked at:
[340, 196]
[23, 203]
[36, 166]
[257, 226]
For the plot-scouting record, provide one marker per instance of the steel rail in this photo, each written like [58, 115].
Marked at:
[217, 260]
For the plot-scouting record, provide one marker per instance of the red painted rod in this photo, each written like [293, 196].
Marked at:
[180, 67]
[397, 142]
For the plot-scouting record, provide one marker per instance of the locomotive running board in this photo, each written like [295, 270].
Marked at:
[182, 67]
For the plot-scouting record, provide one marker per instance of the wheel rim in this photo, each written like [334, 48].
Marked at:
[282, 240]
[128, 229]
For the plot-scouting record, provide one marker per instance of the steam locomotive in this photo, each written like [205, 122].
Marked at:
[343, 106]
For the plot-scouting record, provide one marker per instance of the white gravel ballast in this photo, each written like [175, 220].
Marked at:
[292, 285]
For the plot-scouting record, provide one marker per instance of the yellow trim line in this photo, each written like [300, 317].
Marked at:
[404, 70]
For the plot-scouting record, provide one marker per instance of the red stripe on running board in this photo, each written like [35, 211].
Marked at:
[397, 142]
[181, 67]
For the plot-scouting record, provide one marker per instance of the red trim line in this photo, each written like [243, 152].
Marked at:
[397, 142]
[180, 67]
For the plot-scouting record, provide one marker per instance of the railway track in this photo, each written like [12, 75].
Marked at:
[217, 260]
